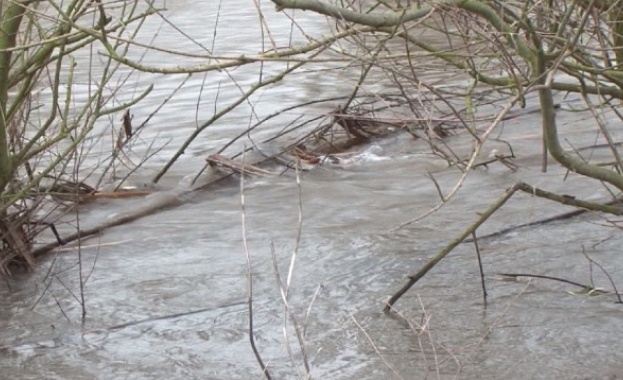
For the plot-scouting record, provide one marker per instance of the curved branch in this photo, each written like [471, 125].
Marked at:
[235, 61]
[550, 132]
[412, 13]
[376, 20]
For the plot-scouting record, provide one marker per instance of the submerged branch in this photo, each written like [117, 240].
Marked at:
[483, 217]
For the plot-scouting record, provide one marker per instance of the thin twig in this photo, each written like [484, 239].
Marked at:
[376, 349]
[605, 272]
[256, 352]
[482, 273]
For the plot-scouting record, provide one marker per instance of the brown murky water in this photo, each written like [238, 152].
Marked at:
[166, 295]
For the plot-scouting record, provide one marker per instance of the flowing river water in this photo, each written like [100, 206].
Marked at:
[166, 295]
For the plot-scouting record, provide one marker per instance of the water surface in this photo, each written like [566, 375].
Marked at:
[166, 295]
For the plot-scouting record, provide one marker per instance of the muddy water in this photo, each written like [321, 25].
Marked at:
[166, 295]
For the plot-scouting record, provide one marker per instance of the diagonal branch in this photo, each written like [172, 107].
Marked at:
[483, 217]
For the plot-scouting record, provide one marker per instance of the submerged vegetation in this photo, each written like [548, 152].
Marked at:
[492, 51]
[510, 51]
[48, 120]
[518, 49]
[72, 72]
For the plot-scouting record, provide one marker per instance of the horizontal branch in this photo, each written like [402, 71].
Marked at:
[241, 60]
[370, 19]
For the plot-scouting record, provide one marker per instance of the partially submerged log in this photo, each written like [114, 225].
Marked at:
[229, 166]
[331, 143]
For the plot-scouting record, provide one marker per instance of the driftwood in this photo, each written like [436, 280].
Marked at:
[322, 145]
[221, 163]
[156, 202]
[328, 143]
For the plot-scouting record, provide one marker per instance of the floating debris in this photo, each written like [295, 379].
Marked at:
[229, 166]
